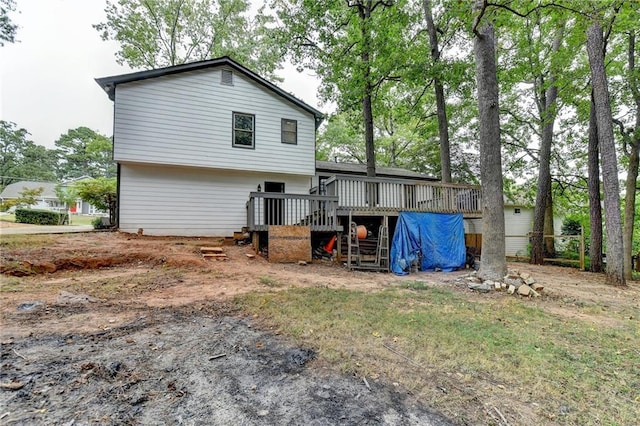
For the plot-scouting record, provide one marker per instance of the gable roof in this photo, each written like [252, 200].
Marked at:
[109, 84]
[13, 190]
[361, 170]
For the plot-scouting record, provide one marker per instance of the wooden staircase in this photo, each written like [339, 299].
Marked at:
[216, 253]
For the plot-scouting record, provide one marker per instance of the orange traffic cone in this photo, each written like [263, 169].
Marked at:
[329, 247]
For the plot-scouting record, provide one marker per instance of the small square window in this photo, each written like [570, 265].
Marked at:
[516, 211]
[227, 78]
[243, 130]
[289, 131]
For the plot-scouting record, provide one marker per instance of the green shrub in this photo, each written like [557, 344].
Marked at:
[6, 205]
[99, 223]
[41, 217]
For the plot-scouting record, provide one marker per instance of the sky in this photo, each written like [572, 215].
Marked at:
[47, 78]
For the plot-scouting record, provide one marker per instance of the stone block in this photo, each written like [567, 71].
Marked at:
[536, 287]
[524, 290]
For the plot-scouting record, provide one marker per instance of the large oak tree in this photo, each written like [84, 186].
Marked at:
[494, 265]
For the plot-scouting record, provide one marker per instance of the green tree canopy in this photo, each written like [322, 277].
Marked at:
[21, 159]
[159, 33]
[84, 152]
[101, 192]
[7, 28]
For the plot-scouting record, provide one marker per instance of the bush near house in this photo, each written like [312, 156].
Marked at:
[101, 223]
[41, 217]
[5, 205]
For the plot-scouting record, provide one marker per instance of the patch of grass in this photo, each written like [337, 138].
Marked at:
[535, 366]
[414, 285]
[82, 220]
[270, 282]
[75, 219]
[115, 287]
[10, 285]
[7, 217]
[26, 241]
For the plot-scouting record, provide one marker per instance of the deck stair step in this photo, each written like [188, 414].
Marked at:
[216, 253]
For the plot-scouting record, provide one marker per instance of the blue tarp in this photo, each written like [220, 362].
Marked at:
[436, 238]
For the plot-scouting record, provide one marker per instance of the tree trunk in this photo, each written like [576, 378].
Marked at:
[543, 194]
[364, 11]
[441, 106]
[493, 265]
[615, 268]
[630, 203]
[595, 208]
[633, 145]
[367, 113]
[549, 242]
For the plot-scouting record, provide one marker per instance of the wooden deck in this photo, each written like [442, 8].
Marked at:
[365, 195]
[319, 212]
[360, 196]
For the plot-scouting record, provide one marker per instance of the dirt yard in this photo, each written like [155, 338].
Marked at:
[167, 346]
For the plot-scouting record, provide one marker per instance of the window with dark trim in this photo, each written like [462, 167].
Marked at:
[516, 211]
[243, 130]
[289, 131]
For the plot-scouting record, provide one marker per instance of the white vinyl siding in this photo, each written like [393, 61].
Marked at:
[186, 120]
[191, 202]
[517, 227]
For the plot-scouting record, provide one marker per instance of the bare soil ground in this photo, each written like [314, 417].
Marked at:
[79, 346]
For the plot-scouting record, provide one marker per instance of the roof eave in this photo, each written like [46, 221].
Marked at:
[108, 84]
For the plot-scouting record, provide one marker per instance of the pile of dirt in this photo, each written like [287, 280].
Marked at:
[172, 367]
[102, 250]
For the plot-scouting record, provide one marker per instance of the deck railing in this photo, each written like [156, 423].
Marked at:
[272, 208]
[381, 194]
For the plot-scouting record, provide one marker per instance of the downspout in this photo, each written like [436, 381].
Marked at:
[116, 213]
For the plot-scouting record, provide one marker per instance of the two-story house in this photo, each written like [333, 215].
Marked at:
[210, 148]
[192, 141]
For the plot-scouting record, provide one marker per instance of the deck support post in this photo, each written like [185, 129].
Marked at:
[349, 244]
[255, 241]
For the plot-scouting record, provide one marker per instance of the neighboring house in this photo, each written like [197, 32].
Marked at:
[47, 200]
[518, 223]
[83, 207]
[192, 141]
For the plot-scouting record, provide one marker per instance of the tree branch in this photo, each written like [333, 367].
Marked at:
[158, 26]
[478, 18]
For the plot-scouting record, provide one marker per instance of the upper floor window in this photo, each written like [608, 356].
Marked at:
[243, 130]
[516, 211]
[289, 131]
[227, 77]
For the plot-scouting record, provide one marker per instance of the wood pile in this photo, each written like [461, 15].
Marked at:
[216, 253]
[515, 282]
